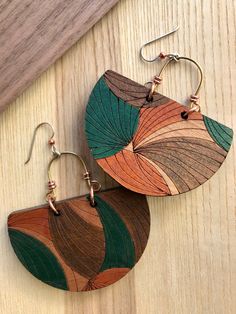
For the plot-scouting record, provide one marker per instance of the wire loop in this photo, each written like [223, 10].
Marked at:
[194, 106]
[176, 57]
[94, 186]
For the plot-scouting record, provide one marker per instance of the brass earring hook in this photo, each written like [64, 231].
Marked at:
[194, 106]
[176, 28]
[51, 141]
[94, 186]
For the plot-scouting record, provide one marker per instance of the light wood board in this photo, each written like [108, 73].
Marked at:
[33, 34]
[189, 266]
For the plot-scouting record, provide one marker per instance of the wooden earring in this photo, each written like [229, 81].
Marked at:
[150, 143]
[83, 243]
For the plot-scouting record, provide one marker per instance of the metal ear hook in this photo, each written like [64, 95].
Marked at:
[94, 186]
[51, 141]
[152, 41]
[178, 58]
[172, 57]
[158, 79]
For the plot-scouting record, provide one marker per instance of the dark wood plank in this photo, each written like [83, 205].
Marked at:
[33, 34]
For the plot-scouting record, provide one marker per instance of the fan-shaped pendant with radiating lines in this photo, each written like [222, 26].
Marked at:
[148, 147]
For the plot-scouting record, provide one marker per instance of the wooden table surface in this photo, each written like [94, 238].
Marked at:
[189, 265]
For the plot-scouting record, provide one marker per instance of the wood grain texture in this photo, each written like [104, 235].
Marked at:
[70, 252]
[189, 263]
[33, 34]
[147, 146]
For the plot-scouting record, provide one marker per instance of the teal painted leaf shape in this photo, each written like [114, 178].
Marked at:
[119, 247]
[38, 259]
[220, 133]
[110, 123]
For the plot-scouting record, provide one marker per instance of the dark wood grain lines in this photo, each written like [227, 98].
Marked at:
[84, 248]
[164, 154]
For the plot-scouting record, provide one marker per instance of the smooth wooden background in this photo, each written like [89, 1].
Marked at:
[189, 265]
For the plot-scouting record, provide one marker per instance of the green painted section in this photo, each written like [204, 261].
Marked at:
[220, 133]
[120, 250]
[110, 123]
[38, 259]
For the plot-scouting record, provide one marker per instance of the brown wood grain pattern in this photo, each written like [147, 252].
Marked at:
[108, 277]
[131, 91]
[86, 254]
[132, 152]
[136, 218]
[34, 222]
[33, 34]
[125, 169]
[74, 237]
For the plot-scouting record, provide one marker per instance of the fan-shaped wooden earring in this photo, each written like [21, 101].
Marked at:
[85, 248]
[83, 243]
[150, 143]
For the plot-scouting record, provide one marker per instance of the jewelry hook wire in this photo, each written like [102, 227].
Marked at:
[94, 186]
[50, 141]
[175, 29]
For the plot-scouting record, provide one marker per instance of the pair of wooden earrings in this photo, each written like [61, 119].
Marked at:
[151, 145]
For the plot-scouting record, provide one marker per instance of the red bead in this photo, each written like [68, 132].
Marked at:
[51, 142]
[162, 55]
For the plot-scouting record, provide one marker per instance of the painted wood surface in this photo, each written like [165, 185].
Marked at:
[84, 248]
[189, 263]
[33, 34]
[147, 146]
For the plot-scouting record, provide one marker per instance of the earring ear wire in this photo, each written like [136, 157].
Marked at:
[51, 141]
[94, 186]
[194, 106]
[175, 29]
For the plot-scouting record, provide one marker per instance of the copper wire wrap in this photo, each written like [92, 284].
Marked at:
[51, 197]
[51, 185]
[87, 177]
[194, 98]
[157, 80]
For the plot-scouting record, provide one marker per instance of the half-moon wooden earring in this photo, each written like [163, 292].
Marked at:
[83, 243]
[148, 142]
